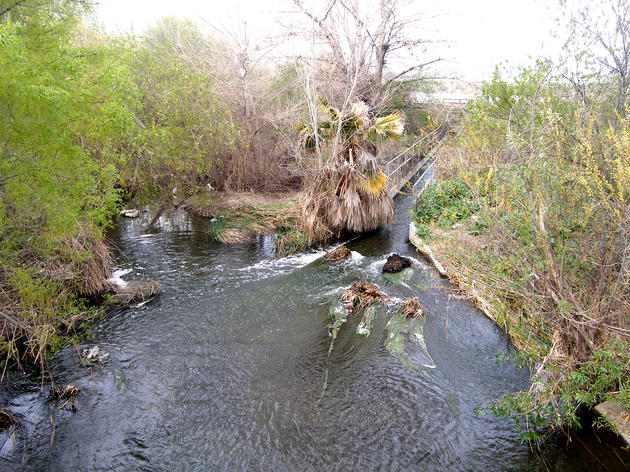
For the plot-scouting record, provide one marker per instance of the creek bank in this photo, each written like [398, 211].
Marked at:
[615, 413]
[424, 249]
[237, 218]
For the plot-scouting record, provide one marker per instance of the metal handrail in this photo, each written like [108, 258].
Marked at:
[421, 178]
[410, 148]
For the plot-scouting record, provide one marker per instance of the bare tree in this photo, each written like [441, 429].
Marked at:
[599, 41]
[366, 42]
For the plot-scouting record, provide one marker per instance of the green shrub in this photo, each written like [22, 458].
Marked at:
[445, 203]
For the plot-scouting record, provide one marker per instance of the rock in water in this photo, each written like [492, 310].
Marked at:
[396, 263]
[136, 291]
[130, 213]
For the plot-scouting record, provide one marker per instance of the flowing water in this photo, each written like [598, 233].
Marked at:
[226, 371]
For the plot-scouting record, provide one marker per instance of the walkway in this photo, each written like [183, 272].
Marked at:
[406, 164]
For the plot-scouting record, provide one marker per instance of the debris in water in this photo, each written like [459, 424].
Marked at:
[95, 355]
[68, 393]
[130, 213]
[360, 296]
[339, 254]
[7, 419]
[412, 308]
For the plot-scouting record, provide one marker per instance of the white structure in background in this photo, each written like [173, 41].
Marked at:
[447, 98]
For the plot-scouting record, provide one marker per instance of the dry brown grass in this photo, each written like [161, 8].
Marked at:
[38, 297]
[360, 296]
[339, 201]
[339, 254]
[82, 263]
[67, 395]
[7, 419]
[239, 217]
[412, 308]
[552, 266]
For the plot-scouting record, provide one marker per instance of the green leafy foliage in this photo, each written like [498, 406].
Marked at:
[603, 377]
[182, 129]
[445, 203]
[59, 118]
[86, 120]
[551, 178]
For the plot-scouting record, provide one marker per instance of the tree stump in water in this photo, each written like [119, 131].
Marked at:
[396, 263]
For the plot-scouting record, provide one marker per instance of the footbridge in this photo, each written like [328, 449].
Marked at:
[405, 165]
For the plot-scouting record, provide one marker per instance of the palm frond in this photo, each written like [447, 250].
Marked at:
[373, 182]
[308, 140]
[350, 192]
[390, 127]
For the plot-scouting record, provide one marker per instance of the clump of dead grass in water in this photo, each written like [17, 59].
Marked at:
[66, 395]
[412, 308]
[11, 423]
[360, 296]
[339, 254]
[7, 419]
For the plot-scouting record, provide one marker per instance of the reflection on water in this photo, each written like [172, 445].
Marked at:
[224, 370]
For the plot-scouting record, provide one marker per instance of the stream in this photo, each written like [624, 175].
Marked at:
[225, 371]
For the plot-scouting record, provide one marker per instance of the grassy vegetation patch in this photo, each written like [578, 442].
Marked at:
[530, 218]
[239, 223]
[443, 204]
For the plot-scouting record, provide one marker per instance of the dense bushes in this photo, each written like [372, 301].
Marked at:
[445, 203]
[550, 262]
[182, 130]
[88, 121]
[57, 192]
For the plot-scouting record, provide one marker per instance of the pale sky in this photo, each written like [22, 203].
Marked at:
[477, 34]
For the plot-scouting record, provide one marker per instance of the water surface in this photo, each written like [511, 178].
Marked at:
[224, 372]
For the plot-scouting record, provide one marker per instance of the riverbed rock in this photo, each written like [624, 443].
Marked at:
[130, 213]
[136, 291]
[396, 263]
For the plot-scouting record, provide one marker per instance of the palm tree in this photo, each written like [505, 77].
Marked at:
[350, 191]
